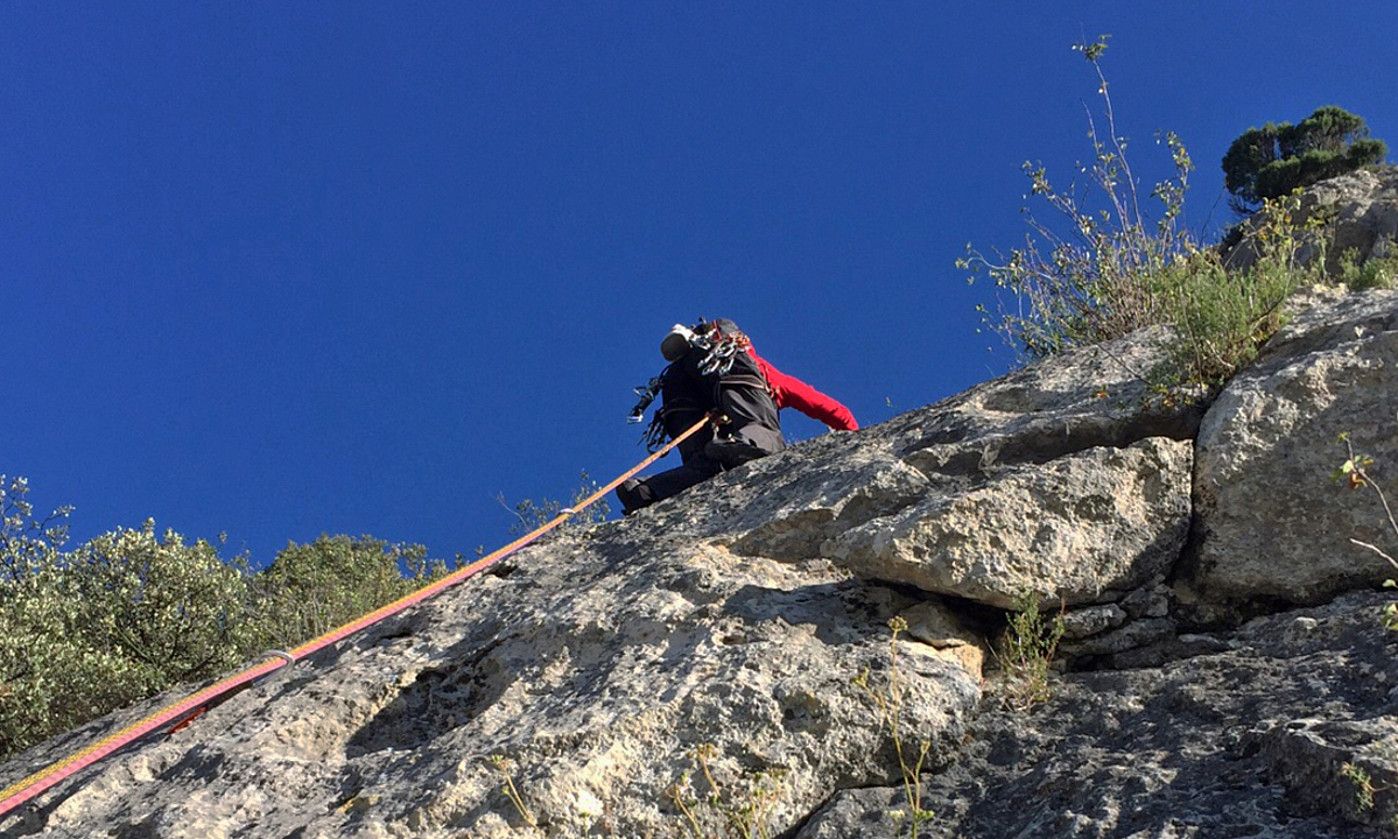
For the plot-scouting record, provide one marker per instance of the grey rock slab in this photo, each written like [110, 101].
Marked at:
[1092, 620]
[1347, 766]
[788, 506]
[1363, 207]
[1150, 601]
[1068, 530]
[595, 664]
[1137, 633]
[1187, 749]
[1360, 214]
[875, 811]
[1271, 523]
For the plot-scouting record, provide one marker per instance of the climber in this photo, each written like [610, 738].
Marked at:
[714, 371]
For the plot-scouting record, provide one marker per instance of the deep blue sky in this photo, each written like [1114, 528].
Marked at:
[280, 269]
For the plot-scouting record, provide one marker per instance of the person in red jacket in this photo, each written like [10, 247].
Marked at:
[714, 369]
[791, 392]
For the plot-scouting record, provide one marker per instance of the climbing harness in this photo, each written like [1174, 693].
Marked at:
[180, 714]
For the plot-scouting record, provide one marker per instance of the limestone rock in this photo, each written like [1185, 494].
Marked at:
[1151, 601]
[1067, 530]
[1092, 620]
[1138, 633]
[875, 811]
[1344, 766]
[1206, 746]
[1359, 211]
[936, 625]
[1272, 525]
[1362, 208]
[596, 665]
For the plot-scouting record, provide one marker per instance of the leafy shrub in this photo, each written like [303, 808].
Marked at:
[1372, 273]
[1026, 652]
[313, 588]
[1084, 286]
[133, 612]
[1221, 315]
[115, 620]
[531, 514]
[1278, 158]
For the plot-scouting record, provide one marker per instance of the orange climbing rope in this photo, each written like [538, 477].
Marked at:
[180, 714]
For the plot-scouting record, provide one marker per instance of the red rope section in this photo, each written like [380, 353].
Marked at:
[184, 711]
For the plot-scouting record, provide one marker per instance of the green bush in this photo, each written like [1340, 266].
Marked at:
[531, 514]
[121, 617]
[131, 613]
[1026, 652]
[313, 588]
[1372, 273]
[1278, 158]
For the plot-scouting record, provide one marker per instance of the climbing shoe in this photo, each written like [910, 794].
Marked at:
[732, 451]
[633, 495]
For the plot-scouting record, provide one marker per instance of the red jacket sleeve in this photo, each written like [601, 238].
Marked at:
[791, 392]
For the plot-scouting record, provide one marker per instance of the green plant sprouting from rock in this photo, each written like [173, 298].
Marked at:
[889, 700]
[723, 812]
[505, 768]
[1372, 273]
[1109, 268]
[1354, 473]
[1026, 652]
[1363, 785]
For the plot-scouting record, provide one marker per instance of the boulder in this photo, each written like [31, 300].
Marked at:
[1358, 214]
[1271, 524]
[1067, 530]
[1092, 620]
[1361, 209]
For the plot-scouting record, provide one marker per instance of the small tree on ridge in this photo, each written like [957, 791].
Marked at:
[1273, 160]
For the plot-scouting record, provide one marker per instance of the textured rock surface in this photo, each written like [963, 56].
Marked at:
[1005, 433]
[1103, 518]
[594, 672]
[1271, 522]
[1360, 212]
[1363, 207]
[1245, 743]
[1092, 620]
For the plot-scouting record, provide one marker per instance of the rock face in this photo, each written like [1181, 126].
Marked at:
[1363, 211]
[1251, 741]
[1359, 211]
[740, 632]
[1105, 518]
[1271, 522]
[595, 665]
